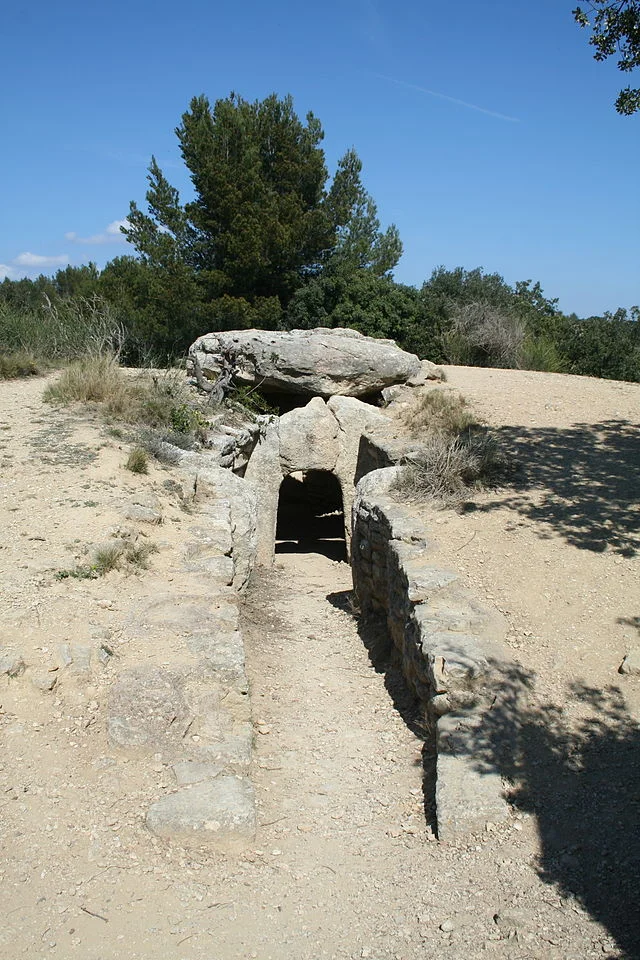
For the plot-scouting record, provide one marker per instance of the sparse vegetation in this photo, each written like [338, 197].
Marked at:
[457, 455]
[159, 403]
[439, 411]
[138, 461]
[137, 554]
[19, 363]
[107, 558]
[110, 557]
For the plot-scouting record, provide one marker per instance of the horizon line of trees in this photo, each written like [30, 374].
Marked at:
[270, 240]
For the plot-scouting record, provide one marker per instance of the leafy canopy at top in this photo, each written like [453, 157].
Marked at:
[615, 26]
[264, 220]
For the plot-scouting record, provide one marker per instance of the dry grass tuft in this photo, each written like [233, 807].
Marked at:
[107, 558]
[457, 455]
[96, 379]
[439, 411]
[138, 461]
[110, 557]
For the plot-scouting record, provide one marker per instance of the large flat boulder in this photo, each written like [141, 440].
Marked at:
[314, 363]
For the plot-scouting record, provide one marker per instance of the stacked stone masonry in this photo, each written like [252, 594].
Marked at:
[449, 646]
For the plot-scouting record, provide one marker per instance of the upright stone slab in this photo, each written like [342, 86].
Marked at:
[264, 473]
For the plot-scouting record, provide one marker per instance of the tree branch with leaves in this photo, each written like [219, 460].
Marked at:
[615, 30]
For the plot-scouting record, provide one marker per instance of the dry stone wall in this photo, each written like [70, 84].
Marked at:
[449, 646]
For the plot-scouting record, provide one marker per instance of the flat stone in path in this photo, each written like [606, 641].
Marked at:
[219, 811]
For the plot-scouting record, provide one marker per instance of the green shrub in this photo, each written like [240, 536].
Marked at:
[252, 400]
[541, 353]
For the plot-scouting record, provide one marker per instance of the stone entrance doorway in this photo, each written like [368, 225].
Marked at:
[311, 515]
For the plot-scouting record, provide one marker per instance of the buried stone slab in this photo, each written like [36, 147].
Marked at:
[218, 812]
[146, 707]
[469, 794]
[222, 653]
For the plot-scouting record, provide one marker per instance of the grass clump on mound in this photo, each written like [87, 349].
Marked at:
[138, 461]
[457, 454]
[439, 411]
[19, 363]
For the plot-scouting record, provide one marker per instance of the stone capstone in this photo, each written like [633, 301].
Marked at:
[320, 362]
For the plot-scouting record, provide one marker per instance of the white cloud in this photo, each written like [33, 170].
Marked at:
[111, 234]
[36, 260]
[7, 272]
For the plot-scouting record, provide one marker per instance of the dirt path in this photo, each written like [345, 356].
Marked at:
[340, 785]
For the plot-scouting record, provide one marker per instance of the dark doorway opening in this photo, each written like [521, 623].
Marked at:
[311, 515]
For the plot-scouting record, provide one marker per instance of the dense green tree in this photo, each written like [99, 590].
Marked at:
[79, 281]
[354, 287]
[361, 244]
[615, 26]
[373, 305]
[607, 346]
[162, 306]
[263, 220]
[26, 293]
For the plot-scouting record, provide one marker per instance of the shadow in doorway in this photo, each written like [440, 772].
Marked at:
[311, 515]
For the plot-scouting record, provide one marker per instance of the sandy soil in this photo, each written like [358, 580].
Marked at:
[345, 864]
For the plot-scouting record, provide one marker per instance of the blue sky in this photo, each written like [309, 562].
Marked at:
[487, 131]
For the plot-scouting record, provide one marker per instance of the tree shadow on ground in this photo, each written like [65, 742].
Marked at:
[589, 478]
[581, 781]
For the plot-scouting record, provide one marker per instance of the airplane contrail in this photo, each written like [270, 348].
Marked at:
[444, 96]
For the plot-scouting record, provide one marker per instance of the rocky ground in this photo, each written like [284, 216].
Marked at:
[345, 863]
